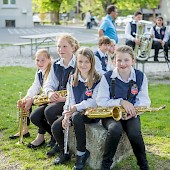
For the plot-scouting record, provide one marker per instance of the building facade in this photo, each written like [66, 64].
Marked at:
[16, 13]
[165, 10]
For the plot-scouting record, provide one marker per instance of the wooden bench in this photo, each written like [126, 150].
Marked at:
[47, 46]
[21, 45]
[151, 60]
[145, 62]
[40, 44]
[95, 141]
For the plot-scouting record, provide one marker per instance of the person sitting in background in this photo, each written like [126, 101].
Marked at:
[112, 49]
[131, 30]
[160, 38]
[101, 57]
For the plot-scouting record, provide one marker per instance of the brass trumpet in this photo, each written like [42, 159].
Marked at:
[117, 112]
[43, 99]
[22, 121]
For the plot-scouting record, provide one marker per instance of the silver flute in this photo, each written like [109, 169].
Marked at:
[66, 131]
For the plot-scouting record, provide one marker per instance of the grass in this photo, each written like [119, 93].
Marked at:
[155, 128]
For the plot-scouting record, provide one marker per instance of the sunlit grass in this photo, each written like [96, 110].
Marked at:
[155, 127]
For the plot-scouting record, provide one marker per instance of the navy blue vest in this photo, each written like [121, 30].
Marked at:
[102, 59]
[124, 90]
[62, 74]
[81, 92]
[162, 32]
[133, 28]
[40, 77]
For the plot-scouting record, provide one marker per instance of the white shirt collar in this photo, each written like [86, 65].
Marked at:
[81, 79]
[101, 53]
[134, 22]
[71, 63]
[116, 74]
[43, 72]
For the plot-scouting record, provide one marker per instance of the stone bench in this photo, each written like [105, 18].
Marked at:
[95, 141]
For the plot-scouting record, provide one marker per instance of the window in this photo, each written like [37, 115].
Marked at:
[10, 23]
[10, 2]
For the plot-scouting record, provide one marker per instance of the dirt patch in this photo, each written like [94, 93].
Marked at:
[5, 164]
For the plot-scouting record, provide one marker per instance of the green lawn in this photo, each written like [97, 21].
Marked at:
[155, 127]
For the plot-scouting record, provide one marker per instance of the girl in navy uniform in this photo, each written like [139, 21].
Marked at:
[57, 80]
[160, 38]
[82, 89]
[43, 62]
[126, 87]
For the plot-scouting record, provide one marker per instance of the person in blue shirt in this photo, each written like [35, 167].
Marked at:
[107, 27]
[125, 87]
[82, 89]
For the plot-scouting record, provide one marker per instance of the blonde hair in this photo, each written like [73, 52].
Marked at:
[93, 76]
[124, 49]
[71, 40]
[45, 53]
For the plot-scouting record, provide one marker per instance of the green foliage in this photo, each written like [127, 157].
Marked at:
[155, 127]
[67, 5]
[43, 6]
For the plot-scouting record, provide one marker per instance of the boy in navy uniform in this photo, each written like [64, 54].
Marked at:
[131, 30]
[101, 57]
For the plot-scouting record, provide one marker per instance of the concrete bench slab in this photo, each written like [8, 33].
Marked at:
[95, 141]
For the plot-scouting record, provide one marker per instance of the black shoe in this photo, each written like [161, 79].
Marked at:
[81, 160]
[30, 145]
[53, 151]
[15, 137]
[51, 143]
[61, 159]
[104, 168]
[155, 59]
[167, 60]
[106, 164]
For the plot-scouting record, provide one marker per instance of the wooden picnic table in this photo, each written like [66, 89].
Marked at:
[40, 39]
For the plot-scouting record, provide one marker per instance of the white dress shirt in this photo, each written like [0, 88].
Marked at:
[166, 36]
[103, 96]
[52, 82]
[98, 65]
[128, 30]
[35, 87]
[90, 102]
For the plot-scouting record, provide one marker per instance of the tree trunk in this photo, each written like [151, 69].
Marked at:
[55, 18]
[154, 14]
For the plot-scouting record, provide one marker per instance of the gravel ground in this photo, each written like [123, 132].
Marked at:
[10, 56]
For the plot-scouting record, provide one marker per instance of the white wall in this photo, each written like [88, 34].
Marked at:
[21, 12]
[165, 10]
